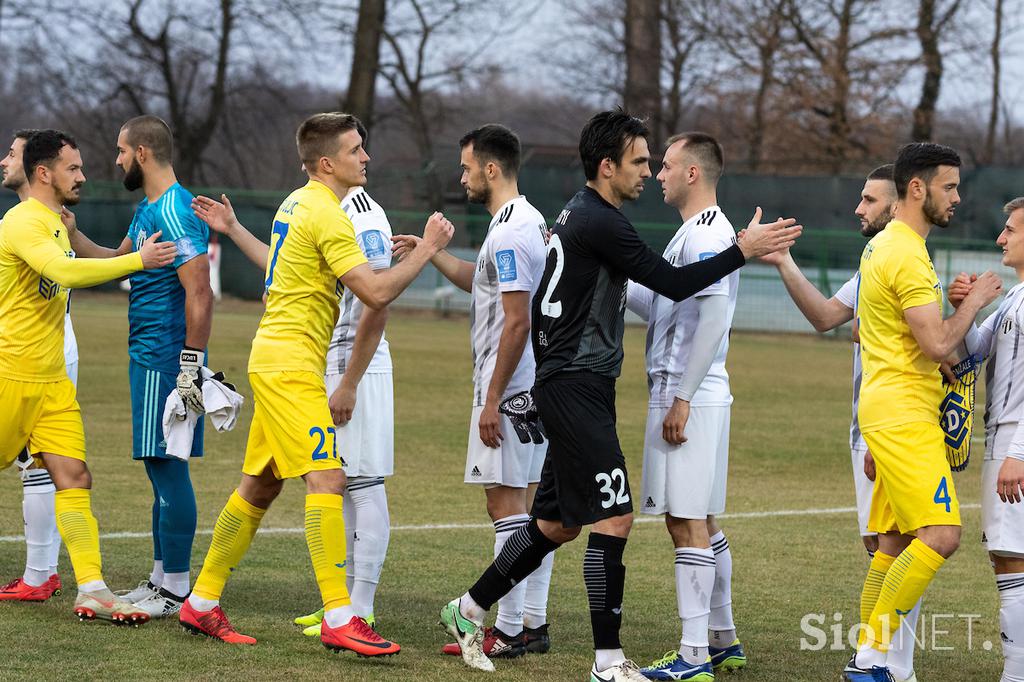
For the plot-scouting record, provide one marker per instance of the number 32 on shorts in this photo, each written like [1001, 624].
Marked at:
[616, 478]
[320, 440]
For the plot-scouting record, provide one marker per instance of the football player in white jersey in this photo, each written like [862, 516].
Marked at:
[505, 452]
[686, 446]
[40, 579]
[1002, 472]
[359, 383]
[875, 210]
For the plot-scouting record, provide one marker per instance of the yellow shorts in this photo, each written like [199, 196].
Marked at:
[913, 486]
[43, 416]
[292, 431]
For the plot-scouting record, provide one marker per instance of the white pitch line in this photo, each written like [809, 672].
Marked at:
[128, 535]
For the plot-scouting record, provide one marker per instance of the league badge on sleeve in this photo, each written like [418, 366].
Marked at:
[506, 265]
[956, 413]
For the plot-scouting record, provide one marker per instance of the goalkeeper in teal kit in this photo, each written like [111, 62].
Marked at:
[169, 315]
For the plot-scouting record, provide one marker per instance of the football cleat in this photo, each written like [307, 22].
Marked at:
[855, 673]
[672, 666]
[105, 605]
[357, 636]
[537, 640]
[627, 671]
[55, 584]
[314, 630]
[162, 604]
[496, 645]
[212, 623]
[19, 590]
[312, 619]
[468, 635]
[145, 590]
[729, 658]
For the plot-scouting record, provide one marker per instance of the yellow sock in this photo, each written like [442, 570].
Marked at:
[232, 535]
[880, 564]
[325, 536]
[80, 532]
[904, 584]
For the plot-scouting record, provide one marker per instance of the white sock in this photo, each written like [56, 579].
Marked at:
[53, 557]
[471, 610]
[721, 628]
[40, 520]
[606, 658]
[900, 659]
[176, 583]
[868, 657]
[538, 585]
[339, 616]
[200, 604]
[510, 607]
[695, 579]
[156, 576]
[348, 512]
[92, 586]
[371, 529]
[1011, 623]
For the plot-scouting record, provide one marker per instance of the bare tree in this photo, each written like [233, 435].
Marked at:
[995, 53]
[359, 98]
[932, 20]
[642, 89]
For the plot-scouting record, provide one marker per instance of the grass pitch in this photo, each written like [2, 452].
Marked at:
[789, 454]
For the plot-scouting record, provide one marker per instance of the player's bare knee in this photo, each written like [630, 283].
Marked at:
[329, 482]
[1007, 562]
[688, 532]
[503, 502]
[554, 531]
[618, 526]
[67, 473]
[943, 540]
[260, 491]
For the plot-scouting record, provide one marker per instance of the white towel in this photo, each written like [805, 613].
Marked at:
[222, 404]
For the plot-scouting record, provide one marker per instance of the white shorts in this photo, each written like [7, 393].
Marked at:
[687, 481]
[367, 442]
[1002, 524]
[513, 465]
[862, 487]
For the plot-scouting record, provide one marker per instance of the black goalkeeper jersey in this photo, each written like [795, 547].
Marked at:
[579, 308]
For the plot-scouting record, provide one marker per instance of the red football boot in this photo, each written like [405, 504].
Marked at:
[357, 636]
[19, 590]
[212, 623]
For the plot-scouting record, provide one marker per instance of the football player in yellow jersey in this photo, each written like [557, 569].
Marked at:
[37, 399]
[903, 338]
[313, 254]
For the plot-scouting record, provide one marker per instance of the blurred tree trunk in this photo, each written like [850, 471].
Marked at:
[929, 31]
[365, 61]
[643, 64]
[996, 55]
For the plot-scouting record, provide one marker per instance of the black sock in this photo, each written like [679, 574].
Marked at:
[605, 577]
[520, 557]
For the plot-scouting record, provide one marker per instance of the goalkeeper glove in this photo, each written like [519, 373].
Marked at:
[190, 379]
[521, 411]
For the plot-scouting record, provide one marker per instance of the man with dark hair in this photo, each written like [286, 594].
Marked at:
[504, 455]
[39, 404]
[577, 328]
[914, 507]
[170, 312]
[40, 579]
[312, 258]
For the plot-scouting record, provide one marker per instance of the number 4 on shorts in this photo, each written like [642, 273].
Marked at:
[942, 494]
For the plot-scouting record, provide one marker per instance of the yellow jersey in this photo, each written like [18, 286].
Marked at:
[900, 384]
[36, 272]
[312, 244]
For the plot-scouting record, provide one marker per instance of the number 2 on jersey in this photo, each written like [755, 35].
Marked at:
[318, 451]
[550, 308]
[277, 236]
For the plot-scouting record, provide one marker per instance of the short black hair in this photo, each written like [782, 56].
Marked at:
[495, 142]
[25, 133]
[43, 148]
[706, 149]
[883, 172]
[152, 133]
[606, 135]
[921, 160]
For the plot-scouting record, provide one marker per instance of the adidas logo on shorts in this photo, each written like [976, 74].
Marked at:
[649, 504]
[475, 471]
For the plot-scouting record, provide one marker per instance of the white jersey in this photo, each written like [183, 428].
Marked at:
[373, 234]
[511, 259]
[847, 295]
[671, 325]
[1000, 340]
[70, 343]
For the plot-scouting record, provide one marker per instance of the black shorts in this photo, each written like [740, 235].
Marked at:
[584, 477]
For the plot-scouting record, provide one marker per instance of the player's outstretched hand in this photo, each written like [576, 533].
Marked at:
[438, 231]
[490, 426]
[761, 239]
[157, 254]
[959, 288]
[1010, 484]
[342, 404]
[69, 220]
[986, 288]
[775, 258]
[219, 215]
[403, 244]
[673, 429]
